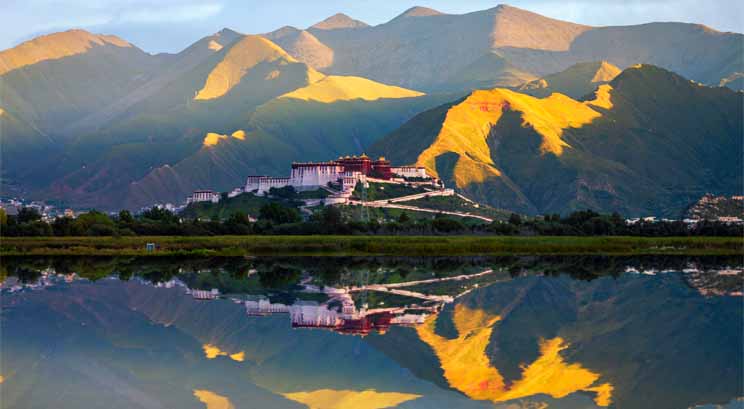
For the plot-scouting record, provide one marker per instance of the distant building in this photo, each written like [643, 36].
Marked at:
[10, 210]
[265, 307]
[262, 184]
[729, 219]
[408, 319]
[235, 192]
[205, 295]
[313, 315]
[203, 196]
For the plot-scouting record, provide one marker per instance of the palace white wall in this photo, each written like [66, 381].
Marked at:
[409, 171]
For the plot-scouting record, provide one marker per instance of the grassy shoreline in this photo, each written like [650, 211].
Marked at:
[368, 245]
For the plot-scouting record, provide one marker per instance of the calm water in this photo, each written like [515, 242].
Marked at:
[371, 333]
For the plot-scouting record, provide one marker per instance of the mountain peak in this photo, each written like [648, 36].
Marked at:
[282, 32]
[243, 55]
[339, 21]
[55, 46]
[227, 32]
[418, 11]
[304, 46]
[605, 72]
[514, 27]
[222, 38]
[508, 9]
[647, 76]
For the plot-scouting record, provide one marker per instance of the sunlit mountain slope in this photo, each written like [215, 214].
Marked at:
[640, 145]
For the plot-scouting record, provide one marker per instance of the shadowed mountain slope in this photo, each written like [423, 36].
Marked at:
[576, 81]
[303, 46]
[64, 76]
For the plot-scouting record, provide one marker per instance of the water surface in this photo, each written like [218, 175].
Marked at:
[567, 332]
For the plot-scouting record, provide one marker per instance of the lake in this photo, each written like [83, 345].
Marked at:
[372, 332]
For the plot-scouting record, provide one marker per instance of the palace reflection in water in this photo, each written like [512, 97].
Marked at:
[431, 332]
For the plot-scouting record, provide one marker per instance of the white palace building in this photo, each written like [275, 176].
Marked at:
[344, 172]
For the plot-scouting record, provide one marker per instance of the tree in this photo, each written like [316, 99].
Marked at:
[404, 218]
[125, 217]
[329, 216]
[62, 226]
[101, 229]
[498, 227]
[81, 226]
[286, 192]
[159, 214]
[278, 214]
[238, 223]
[28, 214]
[447, 225]
[515, 219]
[278, 277]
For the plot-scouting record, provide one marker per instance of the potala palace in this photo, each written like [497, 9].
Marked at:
[345, 171]
[342, 174]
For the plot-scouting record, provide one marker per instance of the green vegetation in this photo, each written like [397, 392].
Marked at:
[382, 191]
[247, 203]
[274, 218]
[368, 245]
[250, 204]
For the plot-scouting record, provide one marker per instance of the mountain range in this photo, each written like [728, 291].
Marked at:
[93, 121]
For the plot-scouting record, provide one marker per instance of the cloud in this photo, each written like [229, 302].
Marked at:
[176, 13]
[39, 15]
[25, 19]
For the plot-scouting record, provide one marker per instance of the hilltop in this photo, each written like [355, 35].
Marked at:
[54, 47]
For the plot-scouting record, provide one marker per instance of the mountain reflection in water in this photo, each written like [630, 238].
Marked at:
[513, 332]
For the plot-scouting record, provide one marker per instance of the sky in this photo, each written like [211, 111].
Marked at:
[171, 25]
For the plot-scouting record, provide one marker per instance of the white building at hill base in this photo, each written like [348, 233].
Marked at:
[203, 196]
